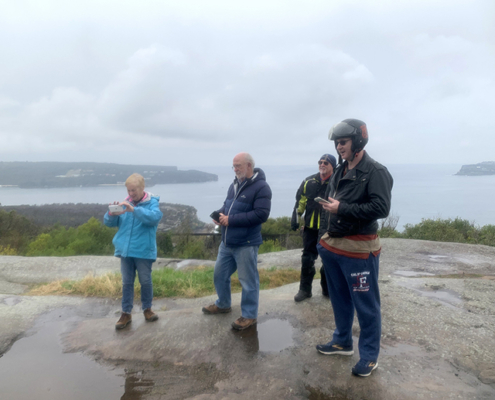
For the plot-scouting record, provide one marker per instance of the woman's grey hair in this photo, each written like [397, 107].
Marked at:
[135, 179]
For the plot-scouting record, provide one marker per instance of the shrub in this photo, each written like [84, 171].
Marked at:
[446, 230]
[164, 244]
[276, 226]
[7, 251]
[486, 235]
[270, 246]
[387, 227]
[91, 238]
[16, 231]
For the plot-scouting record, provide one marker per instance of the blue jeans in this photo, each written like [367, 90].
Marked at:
[244, 259]
[128, 268]
[353, 284]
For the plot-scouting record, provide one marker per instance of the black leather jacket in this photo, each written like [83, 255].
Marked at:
[364, 193]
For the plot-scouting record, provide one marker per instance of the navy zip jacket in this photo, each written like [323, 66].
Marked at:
[247, 205]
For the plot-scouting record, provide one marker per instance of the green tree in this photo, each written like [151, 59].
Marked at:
[442, 230]
[91, 238]
[16, 231]
[276, 226]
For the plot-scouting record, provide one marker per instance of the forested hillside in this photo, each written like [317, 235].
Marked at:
[85, 174]
[74, 215]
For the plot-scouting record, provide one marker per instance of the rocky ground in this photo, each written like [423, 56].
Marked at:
[438, 314]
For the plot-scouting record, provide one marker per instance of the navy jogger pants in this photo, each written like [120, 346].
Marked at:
[353, 284]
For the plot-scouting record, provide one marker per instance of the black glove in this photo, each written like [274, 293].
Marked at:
[294, 226]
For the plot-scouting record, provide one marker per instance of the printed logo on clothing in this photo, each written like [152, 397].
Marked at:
[243, 197]
[361, 284]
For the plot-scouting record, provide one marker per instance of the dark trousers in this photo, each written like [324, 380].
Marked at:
[353, 284]
[308, 258]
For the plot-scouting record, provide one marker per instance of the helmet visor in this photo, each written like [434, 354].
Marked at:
[341, 130]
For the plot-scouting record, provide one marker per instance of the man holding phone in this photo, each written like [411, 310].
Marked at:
[359, 193]
[312, 188]
[246, 207]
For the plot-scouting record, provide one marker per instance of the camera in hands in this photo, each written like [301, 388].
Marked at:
[115, 208]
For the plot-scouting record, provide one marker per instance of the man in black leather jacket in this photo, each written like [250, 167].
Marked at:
[359, 193]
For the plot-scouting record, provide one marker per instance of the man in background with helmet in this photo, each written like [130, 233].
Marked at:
[312, 187]
[359, 193]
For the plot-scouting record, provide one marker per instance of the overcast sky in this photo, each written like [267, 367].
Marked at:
[192, 83]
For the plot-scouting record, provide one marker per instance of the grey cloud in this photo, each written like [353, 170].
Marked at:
[224, 78]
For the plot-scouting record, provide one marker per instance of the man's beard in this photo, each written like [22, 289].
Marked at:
[240, 177]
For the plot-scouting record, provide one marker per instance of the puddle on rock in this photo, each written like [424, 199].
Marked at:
[398, 349]
[136, 386]
[447, 297]
[412, 273]
[11, 301]
[318, 394]
[36, 368]
[436, 257]
[270, 336]
[275, 335]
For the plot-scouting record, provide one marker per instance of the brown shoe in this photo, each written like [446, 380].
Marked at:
[124, 320]
[242, 323]
[149, 315]
[213, 309]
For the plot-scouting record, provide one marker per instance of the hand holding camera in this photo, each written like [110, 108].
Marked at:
[116, 208]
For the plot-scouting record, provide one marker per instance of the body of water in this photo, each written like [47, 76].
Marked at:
[420, 191]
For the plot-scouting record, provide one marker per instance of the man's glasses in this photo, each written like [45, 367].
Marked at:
[341, 142]
[323, 162]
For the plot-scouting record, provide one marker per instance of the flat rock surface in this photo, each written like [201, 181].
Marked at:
[438, 333]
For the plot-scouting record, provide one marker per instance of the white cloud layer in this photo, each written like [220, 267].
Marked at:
[193, 83]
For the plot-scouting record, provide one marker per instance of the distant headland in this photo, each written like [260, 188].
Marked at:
[87, 174]
[483, 168]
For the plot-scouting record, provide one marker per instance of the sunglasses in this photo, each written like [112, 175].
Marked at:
[323, 162]
[342, 142]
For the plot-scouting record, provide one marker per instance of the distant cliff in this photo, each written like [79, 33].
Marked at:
[483, 168]
[85, 174]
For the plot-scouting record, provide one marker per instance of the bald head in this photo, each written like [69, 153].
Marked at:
[243, 166]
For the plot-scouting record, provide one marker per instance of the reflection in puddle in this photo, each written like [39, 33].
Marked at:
[275, 335]
[249, 339]
[270, 336]
[136, 386]
[36, 368]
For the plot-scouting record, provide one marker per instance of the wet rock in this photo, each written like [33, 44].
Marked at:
[436, 343]
[487, 373]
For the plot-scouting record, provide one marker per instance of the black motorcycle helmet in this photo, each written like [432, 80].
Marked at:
[350, 128]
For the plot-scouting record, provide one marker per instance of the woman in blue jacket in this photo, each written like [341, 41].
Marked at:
[135, 245]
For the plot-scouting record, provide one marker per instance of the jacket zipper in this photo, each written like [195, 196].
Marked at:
[230, 208]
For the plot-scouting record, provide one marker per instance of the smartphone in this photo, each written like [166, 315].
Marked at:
[215, 216]
[114, 208]
[320, 200]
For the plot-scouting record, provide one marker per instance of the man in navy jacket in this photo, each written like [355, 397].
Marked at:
[246, 207]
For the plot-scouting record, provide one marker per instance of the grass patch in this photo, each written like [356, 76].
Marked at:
[166, 283]
[109, 285]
